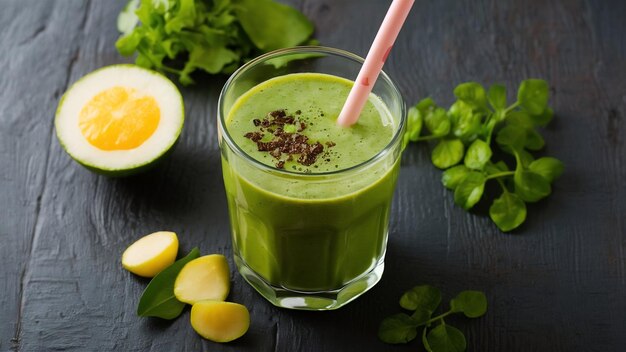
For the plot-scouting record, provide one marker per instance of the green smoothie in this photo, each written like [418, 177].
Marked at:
[309, 226]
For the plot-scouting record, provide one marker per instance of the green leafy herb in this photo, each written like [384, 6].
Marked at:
[508, 211]
[424, 295]
[398, 328]
[471, 93]
[182, 36]
[446, 338]
[467, 132]
[271, 25]
[158, 298]
[470, 189]
[448, 152]
[497, 96]
[437, 122]
[471, 303]
[416, 122]
[549, 168]
[423, 301]
[533, 96]
[478, 154]
[453, 176]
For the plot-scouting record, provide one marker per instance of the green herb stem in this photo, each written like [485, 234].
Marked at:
[516, 104]
[490, 128]
[425, 341]
[518, 160]
[439, 317]
[171, 70]
[429, 137]
[500, 174]
[506, 190]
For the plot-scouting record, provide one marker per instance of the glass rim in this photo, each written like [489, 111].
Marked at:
[225, 135]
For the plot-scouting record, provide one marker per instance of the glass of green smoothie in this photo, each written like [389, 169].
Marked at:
[309, 201]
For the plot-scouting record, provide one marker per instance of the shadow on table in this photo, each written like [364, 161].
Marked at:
[184, 183]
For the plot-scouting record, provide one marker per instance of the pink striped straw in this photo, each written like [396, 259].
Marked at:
[386, 36]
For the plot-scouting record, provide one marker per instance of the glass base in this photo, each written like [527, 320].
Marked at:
[324, 300]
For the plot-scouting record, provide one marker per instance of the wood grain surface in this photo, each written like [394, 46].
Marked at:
[556, 284]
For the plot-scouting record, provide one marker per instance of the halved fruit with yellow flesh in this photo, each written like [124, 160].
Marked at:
[204, 278]
[220, 321]
[151, 254]
[120, 119]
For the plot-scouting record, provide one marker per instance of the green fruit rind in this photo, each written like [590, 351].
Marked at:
[131, 168]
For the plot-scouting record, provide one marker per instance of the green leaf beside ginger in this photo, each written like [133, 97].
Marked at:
[158, 299]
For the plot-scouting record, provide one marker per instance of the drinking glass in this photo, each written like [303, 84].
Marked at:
[301, 250]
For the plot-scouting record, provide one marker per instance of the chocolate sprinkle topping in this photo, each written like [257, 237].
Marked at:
[254, 136]
[285, 142]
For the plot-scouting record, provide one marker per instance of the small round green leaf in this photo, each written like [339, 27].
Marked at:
[477, 155]
[508, 211]
[471, 303]
[467, 126]
[425, 104]
[405, 140]
[496, 168]
[459, 109]
[534, 141]
[421, 316]
[519, 118]
[414, 124]
[530, 186]
[511, 136]
[423, 296]
[398, 328]
[497, 96]
[501, 165]
[525, 157]
[533, 96]
[437, 121]
[544, 118]
[448, 152]
[472, 94]
[548, 167]
[470, 190]
[446, 338]
[452, 176]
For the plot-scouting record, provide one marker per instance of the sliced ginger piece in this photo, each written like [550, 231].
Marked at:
[204, 278]
[220, 321]
[151, 254]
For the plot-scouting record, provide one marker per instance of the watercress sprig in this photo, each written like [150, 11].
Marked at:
[466, 133]
[437, 336]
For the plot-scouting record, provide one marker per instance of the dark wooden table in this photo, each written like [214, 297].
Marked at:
[556, 284]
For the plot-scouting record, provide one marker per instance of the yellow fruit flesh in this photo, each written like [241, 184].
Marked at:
[220, 321]
[119, 118]
[151, 254]
[204, 278]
